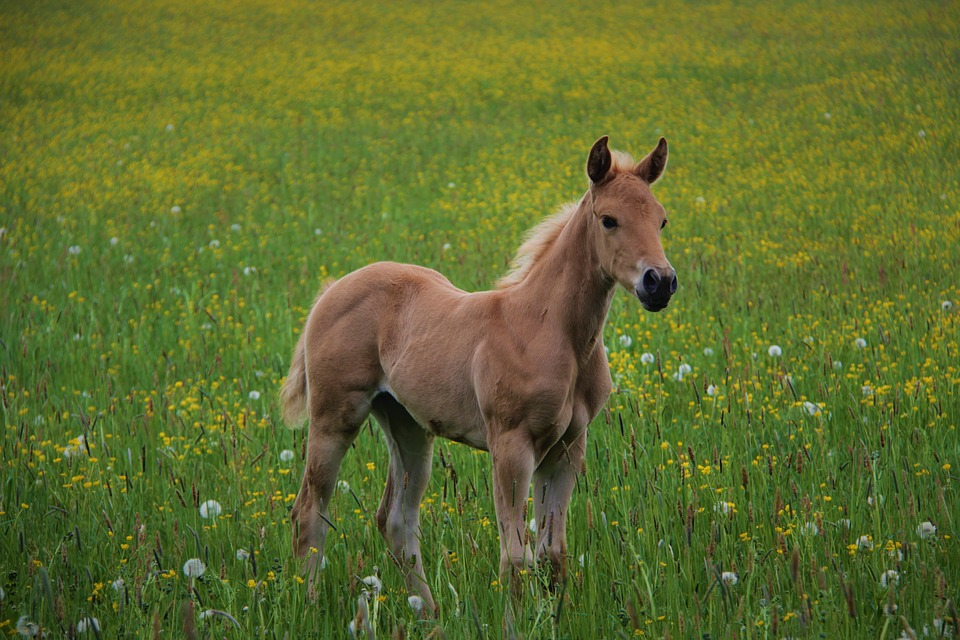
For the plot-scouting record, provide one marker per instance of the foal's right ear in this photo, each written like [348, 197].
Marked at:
[598, 164]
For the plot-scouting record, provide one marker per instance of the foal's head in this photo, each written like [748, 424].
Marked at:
[627, 221]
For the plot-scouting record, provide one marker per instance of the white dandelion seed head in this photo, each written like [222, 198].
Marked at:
[447, 246]
[373, 582]
[74, 250]
[837, 364]
[114, 241]
[117, 585]
[203, 615]
[451, 185]
[827, 115]
[235, 227]
[926, 530]
[214, 244]
[729, 578]
[210, 509]
[416, 603]
[128, 259]
[254, 395]
[922, 133]
[865, 543]
[875, 500]
[946, 305]
[812, 409]
[626, 341]
[941, 627]
[249, 270]
[774, 351]
[844, 523]
[712, 390]
[286, 455]
[343, 486]
[700, 200]
[684, 368]
[27, 628]
[318, 231]
[169, 128]
[808, 340]
[647, 358]
[722, 507]
[194, 568]
[88, 624]
[243, 555]
[889, 577]
[860, 343]
[707, 351]
[175, 209]
[866, 390]
[810, 529]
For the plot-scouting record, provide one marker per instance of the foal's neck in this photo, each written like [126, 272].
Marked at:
[568, 286]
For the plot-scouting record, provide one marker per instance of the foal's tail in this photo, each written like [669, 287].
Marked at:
[293, 396]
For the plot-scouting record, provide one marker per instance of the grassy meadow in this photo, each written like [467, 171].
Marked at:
[780, 455]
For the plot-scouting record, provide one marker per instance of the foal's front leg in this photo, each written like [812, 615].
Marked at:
[513, 463]
[553, 484]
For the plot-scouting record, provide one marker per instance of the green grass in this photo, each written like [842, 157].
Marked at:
[177, 179]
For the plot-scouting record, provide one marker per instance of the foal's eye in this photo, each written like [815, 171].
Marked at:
[608, 222]
[663, 224]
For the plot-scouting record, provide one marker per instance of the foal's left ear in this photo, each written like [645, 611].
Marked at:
[651, 167]
[599, 162]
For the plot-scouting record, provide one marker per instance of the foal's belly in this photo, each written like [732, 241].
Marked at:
[446, 420]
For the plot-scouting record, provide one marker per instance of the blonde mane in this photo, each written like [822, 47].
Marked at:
[540, 237]
[537, 240]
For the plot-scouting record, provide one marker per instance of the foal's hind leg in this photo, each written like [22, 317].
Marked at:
[334, 424]
[398, 517]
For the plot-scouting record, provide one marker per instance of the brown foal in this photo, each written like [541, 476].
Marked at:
[519, 371]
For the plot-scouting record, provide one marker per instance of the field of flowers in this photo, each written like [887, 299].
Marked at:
[780, 456]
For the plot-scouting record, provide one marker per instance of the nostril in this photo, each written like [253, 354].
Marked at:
[651, 281]
[673, 285]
